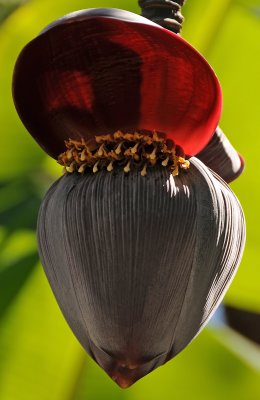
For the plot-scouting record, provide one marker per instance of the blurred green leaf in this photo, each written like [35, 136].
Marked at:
[252, 7]
[249, 3]
[16, 246]
[13, 278]
[204, 20]
[9, 6]
[6, 10]
[20, 202]
[245, 349]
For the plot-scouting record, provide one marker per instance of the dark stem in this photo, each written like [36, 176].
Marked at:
[166, 13]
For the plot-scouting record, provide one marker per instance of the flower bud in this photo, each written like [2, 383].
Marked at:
[139, 264]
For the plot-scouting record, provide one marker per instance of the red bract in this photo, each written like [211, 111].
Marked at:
[97, 71]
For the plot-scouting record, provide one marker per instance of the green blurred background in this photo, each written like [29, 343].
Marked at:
[39, 357]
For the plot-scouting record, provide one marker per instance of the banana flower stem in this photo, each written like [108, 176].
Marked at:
[166, 13]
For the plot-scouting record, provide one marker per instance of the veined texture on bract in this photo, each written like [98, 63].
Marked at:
[98, 71]
[139, 264]
[221, 157]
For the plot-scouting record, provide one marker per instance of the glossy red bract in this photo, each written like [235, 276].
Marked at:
[98, 71]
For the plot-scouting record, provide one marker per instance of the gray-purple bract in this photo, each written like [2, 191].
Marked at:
[221, 157]
[139, 264]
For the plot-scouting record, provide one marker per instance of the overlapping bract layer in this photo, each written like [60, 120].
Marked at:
[138, 265]
[101, 70]
[220, 156]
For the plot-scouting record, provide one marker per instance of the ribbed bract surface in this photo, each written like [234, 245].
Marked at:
[221, 157]
[139, 264]
[98, 71]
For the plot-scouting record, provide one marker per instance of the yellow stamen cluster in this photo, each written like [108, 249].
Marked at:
[126, 150]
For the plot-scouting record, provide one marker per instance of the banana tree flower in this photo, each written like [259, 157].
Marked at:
[139, 239]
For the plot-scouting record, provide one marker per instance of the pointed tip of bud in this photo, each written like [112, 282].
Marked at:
[126, 374]
[126, 369]
[122, 381]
